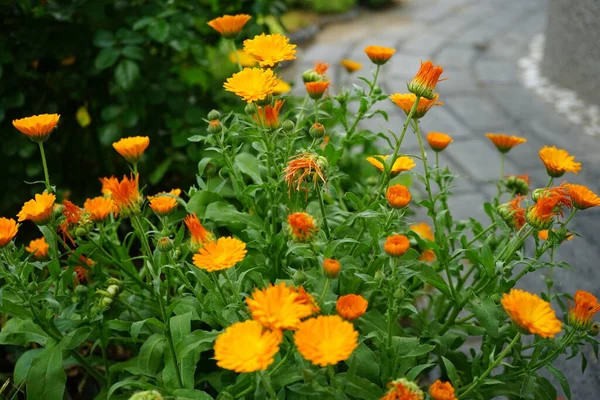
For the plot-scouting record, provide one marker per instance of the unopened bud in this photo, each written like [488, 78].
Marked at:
[215, 126]
[113, 290]
[317, 130]
[81, 290]
[114, 281]
[299, 277]
[399, 294]
[288, 126]
[32, 287]
[164, 244]
[595, 329]
[266, 101]
[147, 395]
[377, 90]
[308, 375]
[379, 277]
[57, 211]
[214, 114]
[535, 195]
[250, 109]
[106, 301]
[311, 76]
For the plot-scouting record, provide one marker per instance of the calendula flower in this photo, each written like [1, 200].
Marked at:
[282, 87]
[504, 143]
[403, 389]
[8, 230]
[331, 267]
[423, 230]
[229, 25]
[427, 256]
[531, 313]
[351, 66]
[303, 166]
[125, 193]
[405, 101]
[99, 208]
[162, 205]
[270, 50]
[38, 247]
[379, 55]
[581, 314]
[549, 203]
[107, 183]
[268, 116]
[396, 245]
[246, 347]
[558, 161]
[316, 89]
[199, 235]
[326, 340]
[246, 60]
[401, 164]
[398, 196]
[544, 234]
[351, 306]
[442, 391]
[302, 226]
[321, 67]
[252, 84]
[278, 307]
[438, 141]
[132, 148]
[515, 214]
[518, 184]
[307, 299]
[81, 275]
[220, 254]
[582, 197]
[38, 127]
[38, 210]
[423, 84]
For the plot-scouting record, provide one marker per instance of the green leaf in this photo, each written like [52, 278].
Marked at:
[109, 133]
[133, 52]
[414, 372]
[106, 58]
[228, 215]
[126, 74]
[104, 39]
[181, 327]
[75, 338]
[366, 363]
[24, 364]
[21, 332]
[409, 347]
[201, 200]
[151, 354]
[486, 312]
[428, 275]
[451, 371]
[198, 341]
[248, 164]
[562, 380]
[159, 30]
[46, 378]
[137, 326]
[191, 394]
[360, 388]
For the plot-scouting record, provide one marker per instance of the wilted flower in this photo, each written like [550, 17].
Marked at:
[199, 234]
[303, 166]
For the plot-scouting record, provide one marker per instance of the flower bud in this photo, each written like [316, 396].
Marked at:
[57, 211]
[114, 281]
[311, 76]
[331, 268]
[379, 276]
[288, 126]
[399, 294]
[517, 185]
[266, 101]
[535, 195]
[165, 244]
[96, 309]
[377, 90]
[32, 287]
[214, 114]
[215, 126]
[308, 375]
[81, 290]
[299, 277]
[250, 109]
[594, 329]
[113, 290]
[317, 130]
[106, 301]
[147, 395]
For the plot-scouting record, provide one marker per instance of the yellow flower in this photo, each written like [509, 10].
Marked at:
[406, 101]
[281, 87]
[38, 127]
[531, 313]
[379, 55]
[558, 161]
[302, 166]
[246, 60]
[442, 391]
[8, 230]
[270, 50]
[38, 247]
[396, 245]
[423, 84]
[403, 389]
[252, 84]
[326, 340]
[132, 148]
[402, 163]
[350, 65]
[316, 89]
[423, 230]
[246, 347]
[99, 208]
[398, 196]
[124, 193]
[332, 268]
[38, 210]
[302, 226]
[581, 314]
[229, 25]
[438, 141]
[504, 143]
[582, 197]
[351, 306]
[307, 299]
[220, 254]
[278, 307]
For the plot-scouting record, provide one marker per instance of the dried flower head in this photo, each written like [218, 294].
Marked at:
[229, 25]
[302, 226]
[351, 66]
[326, 340]
[38, 247]
[424, 82]
[132, 148]
[38, 127]
[8, 230]
[252, 84]
[401, 163]
[220, 254]
[531, 313]
[442, 391]
[504, 143]
[396, 245]
[351, 306]
[38, 210]
[398, 196]
[379, 55]
[270, 50]
[585, 307]
[558, 161]
[302, 166]
[438, 141]
[405, 102]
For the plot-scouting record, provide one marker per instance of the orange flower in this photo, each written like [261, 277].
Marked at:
[278, 307]
[38, 247]
[562, 234]
[38, 210]
[326, 340]
[321, 67]
[423, 84]
[558, 161]
[38, 127]
[438, 141]
[396, 245]
[427, 256]
[401, 164]
[379, 55]
[268, 116]
[162, 205]
[252, 84]
[518, 212]
[351, 306]
[398, 196]
[8, 230]
[107, 183]
[302, 166]
[99, 208]
[423, 230]
[331, 267]
[316, 89]
[582, 197]
[531, 313]
[229, 25]
[221, 254]
[581, 314]
[125, 194]
[307, 299]
[549, 203]
[441, 391]
[270, 50]
[403, 389]
[505, 142]
[406, 101]
[81, 275]
[302, 226]
[132, 148]
[199, 235]
[246, 60]
[351, 66]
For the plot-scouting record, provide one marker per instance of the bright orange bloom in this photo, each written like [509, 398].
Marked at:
[220, 254]
[302, 226]
[423, 84]
[162, 205]
[246, 60]
[278, 307]
[405, 101]
[582, 197]
[38, 127]
[396, 245]
[321, 67]
[107, 183]
[403, 389]
[307, 299]
[281, 87]
[326, 340]
[132, 148]
[504, 143]
[398, 196]
[252, 84]
[438, 141]
[544, 234]
[302, 166]
[72, 212]
[331, 267]
[401, 164]
[316, 89]
[531, 313]
[199, 234]
[423, 230]
[270, 50]
[229, 25]
[125, 193]
[81, 275]
[38, 247]
[549, 203]
[558, 161]
[351, 306]
[351, 66]
[581, 314]
[246, 347]
[518, 212]
[99, 208]
[379, 55]
[441, 391]
[8, 230]
[38, 210]
[268, 116]
[427, 256]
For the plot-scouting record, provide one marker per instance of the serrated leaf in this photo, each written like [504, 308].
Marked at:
[248, 164]
[562, 380]
[486, 312]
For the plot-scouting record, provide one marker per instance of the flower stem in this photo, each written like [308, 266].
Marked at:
[237, 56]
[316, 111]
[325, 289]
[362, 112]
[322, 206]
[46, 175]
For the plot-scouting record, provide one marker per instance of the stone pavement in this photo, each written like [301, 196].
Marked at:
[478, 42]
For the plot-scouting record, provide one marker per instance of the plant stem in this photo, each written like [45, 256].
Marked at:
[325, 289]
[237, 56]
[362, 113]
[316, 111]
[103, 345]
[322, 206]
[46, 175]
[267, 382]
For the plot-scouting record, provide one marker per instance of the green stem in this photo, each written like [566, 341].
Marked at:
[104, 345]
[550, 182]
[167, 333]
[234, 290]
[316, 111]
[302, 108]
[237, 56]
[267, 383]
[322, 206]
[362, 113]
[46, 175]
[325, 289]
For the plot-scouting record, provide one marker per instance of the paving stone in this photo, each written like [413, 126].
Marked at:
[480, 160]
[459, 82]
[465, 206]
[402, 67]
[424, 43]
[478, 112]
[455, 56]
[493, 71]
[440, 119]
